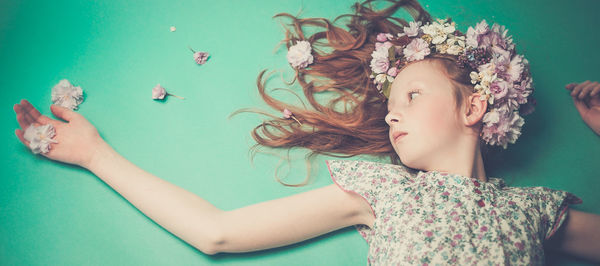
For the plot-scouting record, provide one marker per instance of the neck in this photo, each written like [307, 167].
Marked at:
[466, 161]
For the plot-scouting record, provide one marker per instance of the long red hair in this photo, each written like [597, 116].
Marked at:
[352, 121]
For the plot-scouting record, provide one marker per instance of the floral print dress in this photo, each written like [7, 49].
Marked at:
[436, 218]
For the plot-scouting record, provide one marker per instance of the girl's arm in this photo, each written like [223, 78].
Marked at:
[579, 235]
[260, 226]
[264, 225]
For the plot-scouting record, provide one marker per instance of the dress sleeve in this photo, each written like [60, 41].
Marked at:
[553, 206]
[370, 180]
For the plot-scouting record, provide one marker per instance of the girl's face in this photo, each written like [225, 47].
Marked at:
[422, 105]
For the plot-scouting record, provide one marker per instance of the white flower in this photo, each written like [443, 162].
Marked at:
[40, 137]
[299, 55]
[417, 49]
[473, 33]
[456, 44]
[66, 95]
[439, 31]
[413, 29]
[515, 68]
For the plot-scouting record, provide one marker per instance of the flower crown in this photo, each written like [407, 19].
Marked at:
[499, 75]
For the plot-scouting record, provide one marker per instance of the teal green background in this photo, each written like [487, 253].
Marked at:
[117, 51]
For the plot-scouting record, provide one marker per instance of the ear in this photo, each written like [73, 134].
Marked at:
[475, 109]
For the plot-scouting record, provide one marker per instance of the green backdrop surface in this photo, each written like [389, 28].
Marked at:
[117, 51]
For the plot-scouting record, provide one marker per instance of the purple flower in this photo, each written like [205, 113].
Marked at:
[200, 57]
[501, 126]
[499, 88]
[417, 49]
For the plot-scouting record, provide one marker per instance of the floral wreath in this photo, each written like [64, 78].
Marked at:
[499, 74]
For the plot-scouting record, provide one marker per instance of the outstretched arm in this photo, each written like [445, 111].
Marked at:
[579, 235]
[260, 226]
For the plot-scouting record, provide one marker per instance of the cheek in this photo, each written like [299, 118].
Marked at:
[440, 118]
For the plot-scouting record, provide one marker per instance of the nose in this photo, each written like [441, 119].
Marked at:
[392, 118]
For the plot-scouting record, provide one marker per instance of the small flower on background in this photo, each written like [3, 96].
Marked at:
[66, 95]
[172, 28]
[299, 55]
[159, 93]
[288, 114]
[40, 137]
[200, 57]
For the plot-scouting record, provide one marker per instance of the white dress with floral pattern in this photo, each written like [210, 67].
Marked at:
[435, 218]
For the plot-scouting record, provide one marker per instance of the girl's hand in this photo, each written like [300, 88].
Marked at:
[586, 97]
[77, 139]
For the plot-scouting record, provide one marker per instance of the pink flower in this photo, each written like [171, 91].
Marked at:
[200, 57]
[417, 49]
[499, 89]
[287, 113]
[158, 92]
[393, 71]
[413, 29]
[382, 37]
[428, 233]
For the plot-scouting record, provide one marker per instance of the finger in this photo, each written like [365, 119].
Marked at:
[570, 86]
[578, 88]
[596, 90]
[24, 123]
[35, 114]
[586, 90]
[580, 105]
[63, 113]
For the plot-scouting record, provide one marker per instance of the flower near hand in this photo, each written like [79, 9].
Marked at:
[288, 114]
[159, 93]
[299, 55]
[66, 95]
[40, 137]
[200, 57]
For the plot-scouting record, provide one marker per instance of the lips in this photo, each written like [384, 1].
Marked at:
[397, 135]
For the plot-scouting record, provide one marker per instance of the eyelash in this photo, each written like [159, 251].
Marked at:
[411, 92]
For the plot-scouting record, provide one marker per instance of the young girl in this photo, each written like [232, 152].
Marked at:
[406, 90]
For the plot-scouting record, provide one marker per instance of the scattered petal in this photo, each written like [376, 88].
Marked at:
[66, 95]
[173, 28]
[40, 137]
